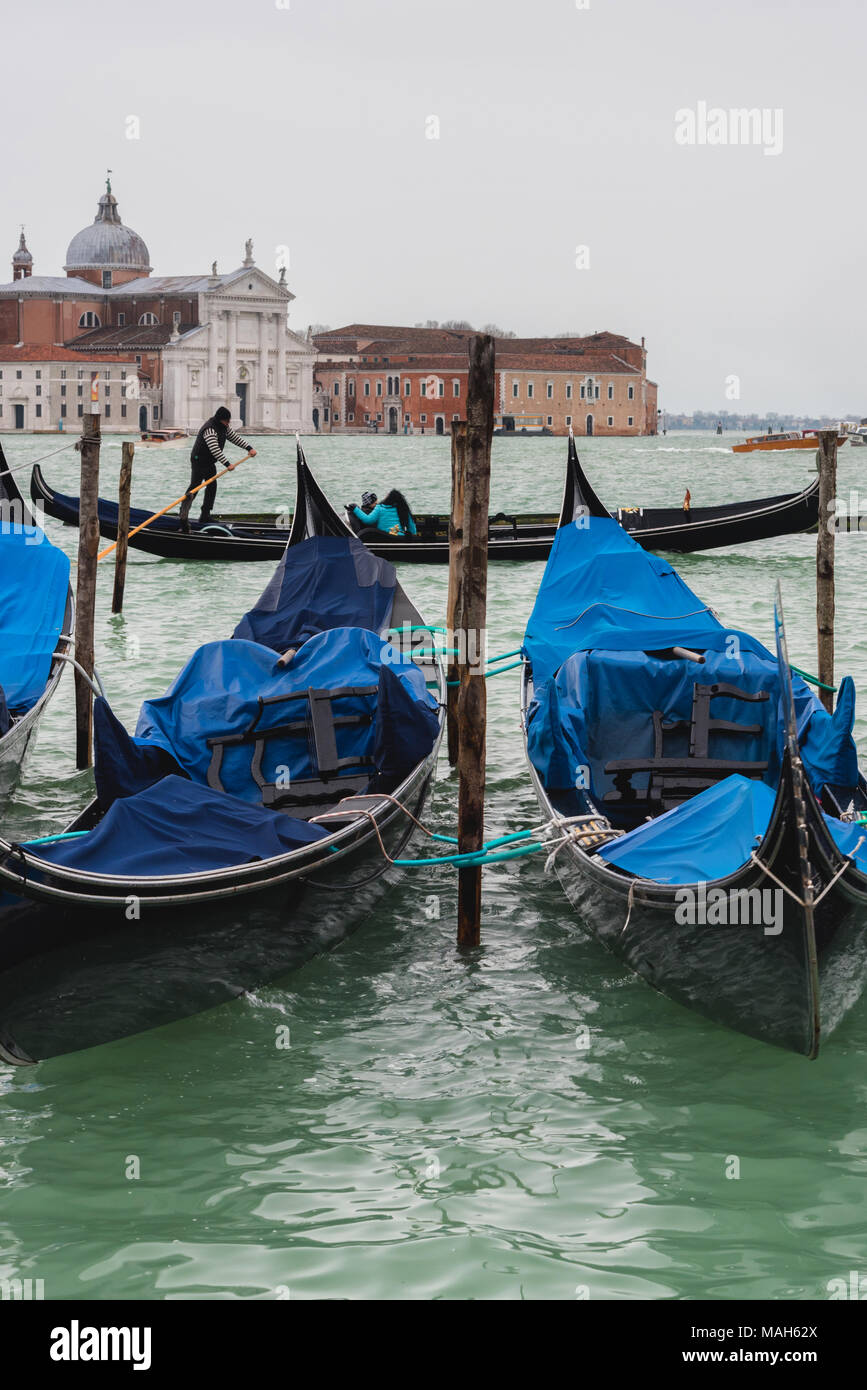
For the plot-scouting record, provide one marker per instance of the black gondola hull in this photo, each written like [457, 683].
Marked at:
[239, 538]
[87, 958]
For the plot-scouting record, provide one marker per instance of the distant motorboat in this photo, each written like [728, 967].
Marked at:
[163, 436]
[789, 439]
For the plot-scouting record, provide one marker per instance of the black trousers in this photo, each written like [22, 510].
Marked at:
[198, 474]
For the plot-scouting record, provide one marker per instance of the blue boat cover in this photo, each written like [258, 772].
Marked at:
[34, 583]
[600, 589]
[176, 827]
[712, 836]
[603, 605]
[706, 838]
[218, 693]
[325, 582]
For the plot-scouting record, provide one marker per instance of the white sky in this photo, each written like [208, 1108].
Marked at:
[306, 126]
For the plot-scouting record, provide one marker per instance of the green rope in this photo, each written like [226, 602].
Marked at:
[814, 680]
[474, 858]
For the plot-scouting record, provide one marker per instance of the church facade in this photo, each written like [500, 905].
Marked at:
[171, 347]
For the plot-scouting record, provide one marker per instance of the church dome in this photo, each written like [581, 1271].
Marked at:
[22, 255]
[107, 244]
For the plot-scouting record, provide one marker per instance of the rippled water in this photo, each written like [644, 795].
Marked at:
[433, 1130]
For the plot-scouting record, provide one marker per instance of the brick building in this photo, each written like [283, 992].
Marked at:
[404, 380]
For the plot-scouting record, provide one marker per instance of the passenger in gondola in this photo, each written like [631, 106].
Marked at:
[207, 459]
[392, 516]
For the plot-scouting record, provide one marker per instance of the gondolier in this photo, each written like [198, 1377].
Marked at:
[207, 459]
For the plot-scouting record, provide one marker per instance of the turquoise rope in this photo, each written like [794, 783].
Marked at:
[814, 680]
[53, 839]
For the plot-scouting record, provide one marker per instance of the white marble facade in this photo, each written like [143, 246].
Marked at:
[242, 355]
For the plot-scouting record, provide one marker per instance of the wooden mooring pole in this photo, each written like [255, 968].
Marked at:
[85, 594]
[123, 493]
[471, 632]
[456, 575]
[827, 462]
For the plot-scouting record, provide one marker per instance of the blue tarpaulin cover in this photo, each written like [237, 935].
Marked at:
[176, 827]
[325, 582]
[712, 836]
[218, 692]
[34, 583]
[706, 838]
[596, 688]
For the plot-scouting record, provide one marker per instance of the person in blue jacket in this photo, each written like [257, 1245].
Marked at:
[392, 515]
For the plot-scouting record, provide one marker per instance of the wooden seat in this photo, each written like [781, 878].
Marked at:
[305, 797]
[674, 780]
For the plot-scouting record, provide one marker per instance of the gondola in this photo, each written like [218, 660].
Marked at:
[36, 622]
[710, 810]
[250, 822]
[528, 536]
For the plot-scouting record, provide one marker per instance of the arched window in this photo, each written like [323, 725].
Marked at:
[89, 320]
[148, 320]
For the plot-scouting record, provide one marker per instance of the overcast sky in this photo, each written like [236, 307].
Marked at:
[307, 123]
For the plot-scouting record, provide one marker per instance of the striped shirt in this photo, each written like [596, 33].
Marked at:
[210, 438]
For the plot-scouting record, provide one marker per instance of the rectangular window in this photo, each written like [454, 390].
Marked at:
[62, 373]
[610, 391]
[336, 416]
[121, 320]
[367, 388]
[108, 412]
[456, 389]
[337, 388]
[529, 390]
[424, 388]
[550, 393]
[80, 408]
[63, 389]
[379, 416]
[550, 420]
[38, 375]
[63, 411]
[582, 393]
[176, 316]
[378, 390]
[80, 373]
[350, 417]
[138, 359]
[106, 279]
[81, 390]
[39, 412]
[352, 388]
[568, 390]
[456, 417]
[568, 421]
[611, 419]
[123, 411]
[597, 393]
[156, 412]
[629, 420]
[107, 375]
[366, 419]
[17, 376]
[515, 385]
[423, 419]
[406, 418]
[407, 386]
[441, 388]
[631, 393]
[39, 390]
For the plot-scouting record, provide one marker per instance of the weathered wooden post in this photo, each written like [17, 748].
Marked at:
[472, 695]
[123, 493]
[827, 461]
[85, 594]
[456, 572]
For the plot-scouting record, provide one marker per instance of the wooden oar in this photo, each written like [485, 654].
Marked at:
[178, 500]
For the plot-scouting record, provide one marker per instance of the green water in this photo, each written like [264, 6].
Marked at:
[433, 1130]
